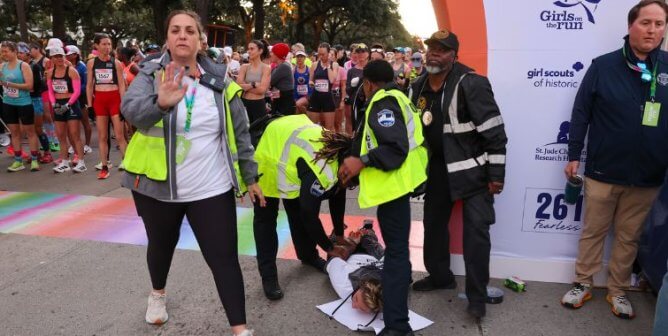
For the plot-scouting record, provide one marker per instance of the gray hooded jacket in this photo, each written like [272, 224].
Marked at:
[140, 108]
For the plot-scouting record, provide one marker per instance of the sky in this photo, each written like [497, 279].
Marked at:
[418, 17]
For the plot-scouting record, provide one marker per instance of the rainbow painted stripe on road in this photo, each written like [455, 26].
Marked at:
[115, 220]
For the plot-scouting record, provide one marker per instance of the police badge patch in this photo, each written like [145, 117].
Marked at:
[316, 189]
[386, 118]
[662, 79]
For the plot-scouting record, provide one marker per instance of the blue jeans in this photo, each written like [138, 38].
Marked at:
[661, 316]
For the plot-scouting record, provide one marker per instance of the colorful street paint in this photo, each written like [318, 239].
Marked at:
[115, 220]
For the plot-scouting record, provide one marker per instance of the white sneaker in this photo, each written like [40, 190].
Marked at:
[576, 297]
[70, 150]
[247, 332]
[621, 307]
[80, 167]
[121, 166]
[87, 149]
[156, 313]
[99, 165]
[63, 166]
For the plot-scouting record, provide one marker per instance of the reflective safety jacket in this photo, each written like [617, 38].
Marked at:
[283, 143]
[150, 161]
[379, 186]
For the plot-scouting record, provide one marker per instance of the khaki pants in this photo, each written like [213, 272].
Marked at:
[626, 208]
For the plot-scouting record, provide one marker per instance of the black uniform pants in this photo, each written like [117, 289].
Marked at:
[394, 218]
[478, 216]
[266, 238]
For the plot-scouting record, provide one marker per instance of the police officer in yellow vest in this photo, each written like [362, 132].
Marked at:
[391, 163]
[292, 171]
[189, 157]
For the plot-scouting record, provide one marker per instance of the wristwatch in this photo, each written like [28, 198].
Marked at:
[365, 160]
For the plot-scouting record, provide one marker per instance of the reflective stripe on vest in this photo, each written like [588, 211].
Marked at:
[284, 142]
[378, 186]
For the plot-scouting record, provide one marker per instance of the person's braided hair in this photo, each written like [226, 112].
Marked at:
[336, 146]
[372, 294]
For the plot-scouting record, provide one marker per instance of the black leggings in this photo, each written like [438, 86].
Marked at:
[214, 223]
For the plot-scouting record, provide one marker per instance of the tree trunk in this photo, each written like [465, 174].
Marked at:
[258, 15]
[21, 15]
[159, 14]
[58, 16]
[202, 8]
[318, 25]
[299, 27]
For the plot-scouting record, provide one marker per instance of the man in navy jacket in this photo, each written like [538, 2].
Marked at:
[620, 103]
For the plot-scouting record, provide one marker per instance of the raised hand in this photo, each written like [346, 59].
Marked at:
[170, 90]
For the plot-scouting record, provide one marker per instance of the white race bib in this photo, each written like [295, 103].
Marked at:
[322, 85]
[104, 76]
[11, 92]
[302, 89]
[60, 86]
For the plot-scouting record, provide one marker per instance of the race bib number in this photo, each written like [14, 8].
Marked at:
[60, 86]
[11, 92]
[302, 89]
[104, 76]
[322, 85]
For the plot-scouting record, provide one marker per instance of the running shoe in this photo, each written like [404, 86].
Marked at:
[103, 174]
[55, 147]
[46, 158]
[64, 166]
[16, 166]
[621, 307]
[156, 312]
[87, 149]
[34, 166]
[57, 161]
[80, 167]
[99, 165]
[75, 159]
[70, 150]
[577, 296]
[121, 166]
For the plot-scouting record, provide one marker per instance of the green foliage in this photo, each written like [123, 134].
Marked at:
[307, 21]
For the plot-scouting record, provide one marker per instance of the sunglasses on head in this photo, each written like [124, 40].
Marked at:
[376, 50]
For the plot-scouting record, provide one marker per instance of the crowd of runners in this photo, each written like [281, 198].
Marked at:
[53, 95]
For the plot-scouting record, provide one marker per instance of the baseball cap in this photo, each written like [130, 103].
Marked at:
[416, 59]
[23, 48]
[71, 50]
[228, 51]
[53, 51]
[54, 43]
[444, 38]
[152, 47]
[300, 53]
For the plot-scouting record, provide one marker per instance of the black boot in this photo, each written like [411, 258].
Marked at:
[272, 290]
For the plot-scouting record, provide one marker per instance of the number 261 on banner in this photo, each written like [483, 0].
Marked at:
[546, 211]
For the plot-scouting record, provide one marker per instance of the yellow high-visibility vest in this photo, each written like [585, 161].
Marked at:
[378, 186]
